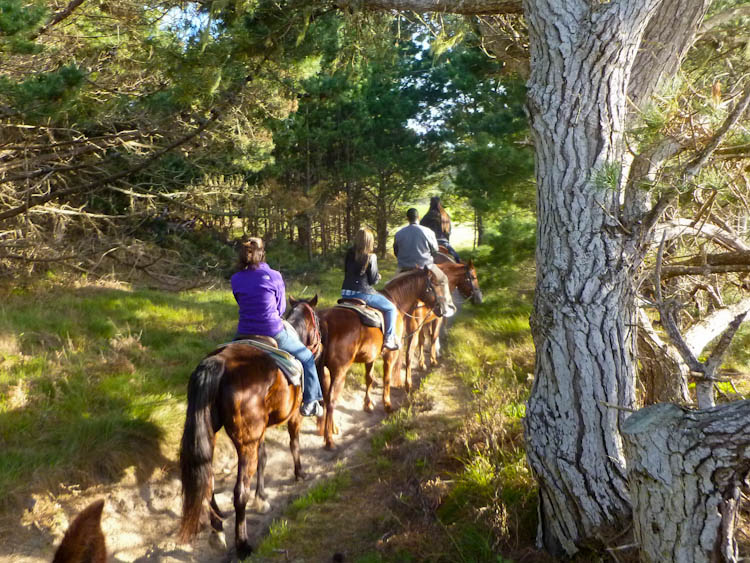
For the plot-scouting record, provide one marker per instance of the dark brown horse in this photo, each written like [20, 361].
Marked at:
[84, 540]
[240, 388]
[347, 341]
[427, 325]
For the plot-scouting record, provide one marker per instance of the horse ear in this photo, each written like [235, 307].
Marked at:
[471, 262]
[292, 301]
[84, 540]
[314, 301]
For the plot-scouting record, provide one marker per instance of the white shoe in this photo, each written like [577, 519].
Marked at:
[313, 408]
[391, 344]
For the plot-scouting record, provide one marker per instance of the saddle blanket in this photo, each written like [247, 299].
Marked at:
[290, 366]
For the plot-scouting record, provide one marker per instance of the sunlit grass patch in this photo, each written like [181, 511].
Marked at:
[278, 534]
[322, 492]
[394, 428]
[97, 379]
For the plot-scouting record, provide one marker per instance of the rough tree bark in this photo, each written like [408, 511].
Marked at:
[582, 59]
[662, 373]
[685, 471]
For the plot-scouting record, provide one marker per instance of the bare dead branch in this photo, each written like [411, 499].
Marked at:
[34, 201]
[695, 165]
[724, 17]
[674, 271]
[57, 18]
[713, 363]
[447, 6]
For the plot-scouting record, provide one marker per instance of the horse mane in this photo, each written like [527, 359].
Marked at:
[452, 267]
[404, 285]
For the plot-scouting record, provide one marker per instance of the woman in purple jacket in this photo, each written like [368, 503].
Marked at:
[261, 297]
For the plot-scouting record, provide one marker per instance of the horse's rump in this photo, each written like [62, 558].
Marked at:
[350, 333]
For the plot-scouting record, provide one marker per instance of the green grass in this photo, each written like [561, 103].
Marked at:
[92, 380]
[320, 493]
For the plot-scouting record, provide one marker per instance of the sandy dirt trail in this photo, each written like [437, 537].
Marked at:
[140, 520]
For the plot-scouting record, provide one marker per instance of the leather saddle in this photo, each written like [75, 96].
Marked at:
[368, 315]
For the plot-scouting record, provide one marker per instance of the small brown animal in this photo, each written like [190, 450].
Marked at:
[84, 540]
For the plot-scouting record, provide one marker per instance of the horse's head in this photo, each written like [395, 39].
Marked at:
[437, 292]
[469, 284]
[302, 316]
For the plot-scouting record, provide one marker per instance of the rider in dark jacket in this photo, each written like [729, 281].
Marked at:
[360, 275]
[439, 221]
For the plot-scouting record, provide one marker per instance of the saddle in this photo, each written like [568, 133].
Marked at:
[290, 366]
[368, 315]
[446, 257]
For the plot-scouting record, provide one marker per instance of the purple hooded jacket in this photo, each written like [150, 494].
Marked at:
[261, 297]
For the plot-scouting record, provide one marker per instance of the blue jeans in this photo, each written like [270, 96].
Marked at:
[451, 251]
[381, 303]
[290, 342]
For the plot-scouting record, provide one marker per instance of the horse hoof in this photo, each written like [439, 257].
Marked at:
[368, 407]
[244, 550]
[388, 408]
[330, 446]
[261, 506]
[219, 541]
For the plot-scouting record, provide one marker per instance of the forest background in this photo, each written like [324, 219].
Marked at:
[142, 140]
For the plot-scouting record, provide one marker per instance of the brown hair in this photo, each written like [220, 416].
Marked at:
[437, 215]
[364, 243]
[250, 254]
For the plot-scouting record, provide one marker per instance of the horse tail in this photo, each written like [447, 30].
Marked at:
[197, 448]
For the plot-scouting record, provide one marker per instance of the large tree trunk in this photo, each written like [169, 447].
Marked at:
[584, 302]
[685, 472]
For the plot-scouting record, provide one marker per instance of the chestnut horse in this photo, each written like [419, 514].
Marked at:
[84, 540]
[461, 276]
[240, 388]
[346, 340]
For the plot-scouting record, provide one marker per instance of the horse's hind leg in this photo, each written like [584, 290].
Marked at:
[390, 360]
[215, 513]
[247, 461]
[337, 383]
[293, 425]
[369, 406]
[260, 504]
